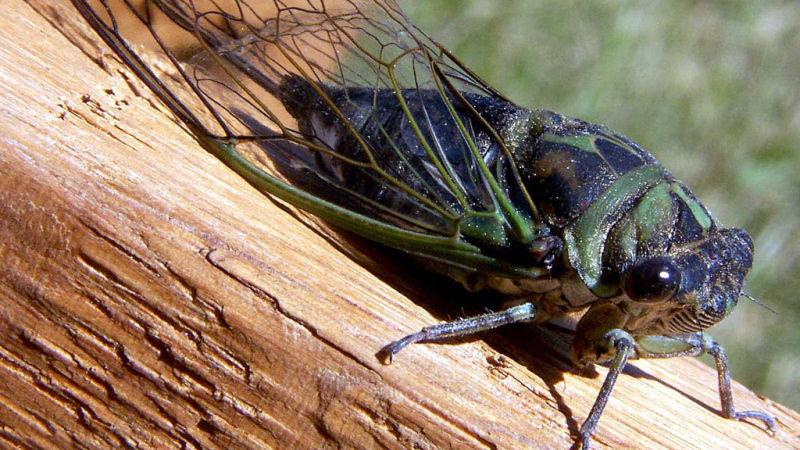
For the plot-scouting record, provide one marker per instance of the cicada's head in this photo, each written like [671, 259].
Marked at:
[663, 261]
[698, 283]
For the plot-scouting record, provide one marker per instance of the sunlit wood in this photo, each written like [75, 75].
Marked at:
[151, 298]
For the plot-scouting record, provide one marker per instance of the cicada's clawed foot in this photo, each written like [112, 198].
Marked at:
[725, 391]
[386, 354]
[767, 419]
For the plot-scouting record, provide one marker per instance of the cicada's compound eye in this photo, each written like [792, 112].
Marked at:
[653, 280]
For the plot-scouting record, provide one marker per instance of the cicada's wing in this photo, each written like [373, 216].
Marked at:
[344, 109]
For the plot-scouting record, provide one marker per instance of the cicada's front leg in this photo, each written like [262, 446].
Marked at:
[599, 338]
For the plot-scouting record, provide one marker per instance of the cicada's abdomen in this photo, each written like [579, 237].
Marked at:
[370, 123]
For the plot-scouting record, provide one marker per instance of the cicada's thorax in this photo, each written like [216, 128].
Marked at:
[614, 206]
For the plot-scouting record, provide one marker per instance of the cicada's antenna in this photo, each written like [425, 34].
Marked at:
[753, 299]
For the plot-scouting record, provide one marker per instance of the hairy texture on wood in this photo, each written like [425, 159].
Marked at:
[151, 298]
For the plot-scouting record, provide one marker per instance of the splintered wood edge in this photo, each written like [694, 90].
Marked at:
[152, 298]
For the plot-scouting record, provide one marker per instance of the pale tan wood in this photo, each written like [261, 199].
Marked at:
[151, 298]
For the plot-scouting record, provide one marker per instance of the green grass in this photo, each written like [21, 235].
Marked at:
[712, 89]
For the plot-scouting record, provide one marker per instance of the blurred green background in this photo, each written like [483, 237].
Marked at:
[710, 88]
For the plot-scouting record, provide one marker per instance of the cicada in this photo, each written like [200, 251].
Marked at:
[350, 112]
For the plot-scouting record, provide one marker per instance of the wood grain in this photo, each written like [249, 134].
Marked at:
[152, 299]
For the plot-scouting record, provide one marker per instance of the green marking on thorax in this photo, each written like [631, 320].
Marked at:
[698, 212]
[583, 142]
[654, 212]
[586, 237]
[625, 238]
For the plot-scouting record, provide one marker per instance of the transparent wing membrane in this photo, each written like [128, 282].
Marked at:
[346, 102]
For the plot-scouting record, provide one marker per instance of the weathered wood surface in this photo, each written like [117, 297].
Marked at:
[151, 298]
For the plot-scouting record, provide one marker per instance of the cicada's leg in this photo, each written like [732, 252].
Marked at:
[623, 345]
[464, 327]
[695, 345]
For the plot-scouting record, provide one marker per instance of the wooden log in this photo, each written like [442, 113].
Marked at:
[151, 298]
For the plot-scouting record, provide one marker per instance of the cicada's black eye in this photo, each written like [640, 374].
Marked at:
[652, 280]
